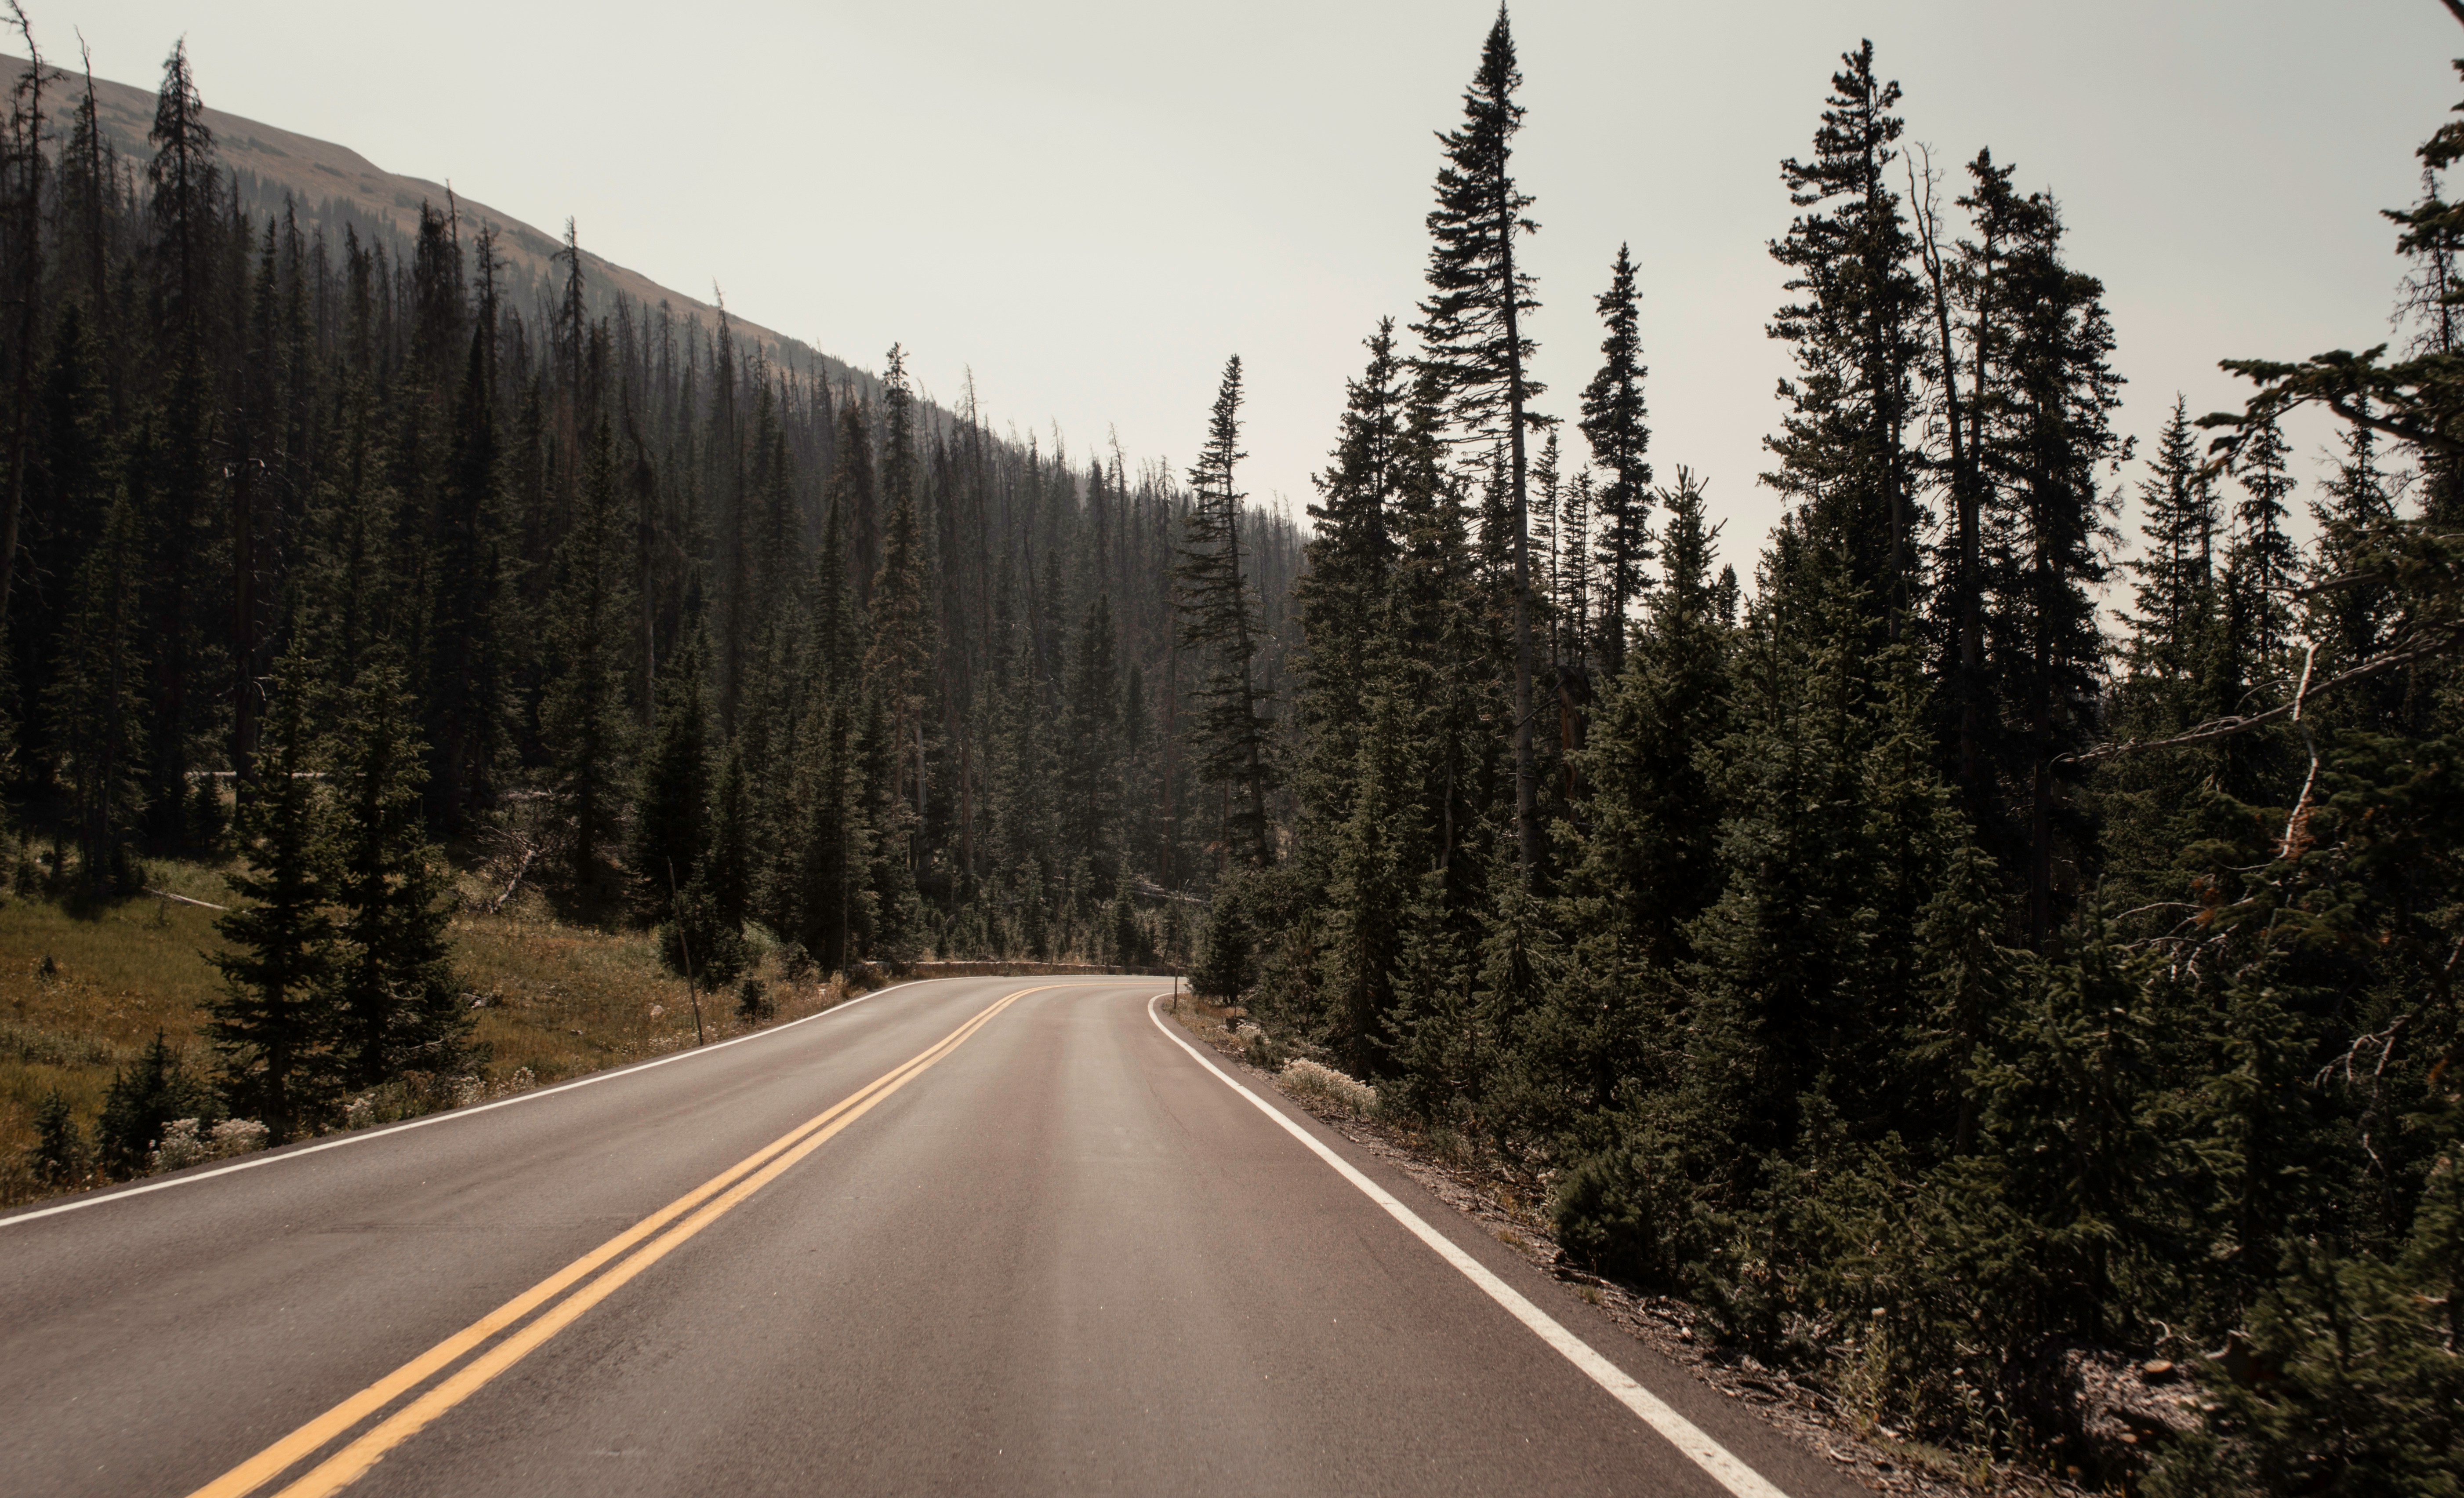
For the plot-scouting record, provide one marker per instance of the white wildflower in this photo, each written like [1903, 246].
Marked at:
[237, 1137]
[179, 1147]
[1308, 1076]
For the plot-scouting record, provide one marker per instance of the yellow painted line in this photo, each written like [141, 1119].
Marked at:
[354, 1459]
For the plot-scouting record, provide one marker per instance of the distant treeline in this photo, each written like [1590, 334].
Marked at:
[1937, 987]
[703, 640]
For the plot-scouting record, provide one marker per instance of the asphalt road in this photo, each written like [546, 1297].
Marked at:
[1064, 1256]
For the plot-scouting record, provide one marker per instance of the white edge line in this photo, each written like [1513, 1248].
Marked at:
[1678, 1431]
[448, 1115]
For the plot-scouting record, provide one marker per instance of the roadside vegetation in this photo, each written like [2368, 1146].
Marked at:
[2036, 1035]
[86, 986]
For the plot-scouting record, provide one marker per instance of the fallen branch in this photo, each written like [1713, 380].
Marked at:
[2227, 727]
[165, 894]
[2301, 805]
[528, 854]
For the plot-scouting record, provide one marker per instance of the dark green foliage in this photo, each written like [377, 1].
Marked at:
[96, 709]
[754, 1004]
[2356, 1381]
[1871, 998]
[1219, 619]
[1476, 361]
[398, 1007]
[671, 807]
[727, 870]
[59, 1157]
[140, 1103]
[1227, 945]
[276, 1028]
[699, 941]
[251, 427]
[1613, 422]
[588, 718]
[1844, 449]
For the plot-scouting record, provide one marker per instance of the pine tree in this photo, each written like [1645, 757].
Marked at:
[275, 1025]
[2047, 413]
[1337, 600]
[727, 870]
[1090, 736]
[2353, 616]
[59, 1155]
[900, 660]
[1654, 813]
[1378, 854]
[671, 807]
[2175, 592]
[2069, 1118]
[1843, 452]
[587, 718]
[396, 1007]
[140, 1103]
[852, 495]
[468, 623]
[1612, 422]
[2265, 565]
[1474, 351]
[1218, 617]
[1576, 582]
[184, 179]
[96, 707]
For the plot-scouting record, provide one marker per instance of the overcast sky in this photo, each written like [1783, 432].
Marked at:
[1091, 204]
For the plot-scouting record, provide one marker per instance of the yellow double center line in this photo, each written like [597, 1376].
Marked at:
[713, 1198]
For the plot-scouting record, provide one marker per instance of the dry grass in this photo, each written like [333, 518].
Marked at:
[83, 987]
[562, 997]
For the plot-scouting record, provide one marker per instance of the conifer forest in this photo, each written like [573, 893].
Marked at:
[2011, 912]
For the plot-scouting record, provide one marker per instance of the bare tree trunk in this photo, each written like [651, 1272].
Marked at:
[1964, 485]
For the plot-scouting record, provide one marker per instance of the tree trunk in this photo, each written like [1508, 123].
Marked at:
[1526, 817]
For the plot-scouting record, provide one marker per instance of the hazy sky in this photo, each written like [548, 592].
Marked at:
[1091, 204]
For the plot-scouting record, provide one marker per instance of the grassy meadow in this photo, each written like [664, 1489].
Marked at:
[84, 987]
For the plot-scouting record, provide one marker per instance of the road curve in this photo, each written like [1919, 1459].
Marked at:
[930, 1241]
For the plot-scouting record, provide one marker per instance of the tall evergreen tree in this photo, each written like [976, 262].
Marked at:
[2266, 567]
[1090, 734]
[1843, 450]
[1338, 598]
[274, 1026]
[672, 806]
[397, 1007]
[96, 706]
[1612, 422]
[2049, 394]
[1218, 617]
[900, 660]
[587, 718]
[2176, 572]
[1474, 350]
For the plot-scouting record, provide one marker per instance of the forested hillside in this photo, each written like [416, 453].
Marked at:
[343, 553]
[1964, 1004]
[1961, 1001]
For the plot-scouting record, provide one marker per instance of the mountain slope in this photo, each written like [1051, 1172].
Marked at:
[331, 187]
